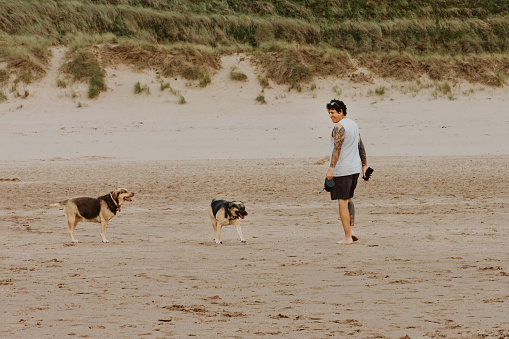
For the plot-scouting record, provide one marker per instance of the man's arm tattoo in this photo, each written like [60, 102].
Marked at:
[362, 152]
[338, 133]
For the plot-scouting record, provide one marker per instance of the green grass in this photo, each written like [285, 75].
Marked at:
[82, 65]
[336, 90]
[166, 85]
[96, 85]
[4, 77]
[444, 88]
[61, 83]
[261, 99]
[264, 81]
[25, 76]
[500, 78]
[293, 42]
[380, 90]
[139, 88]
[238, 76]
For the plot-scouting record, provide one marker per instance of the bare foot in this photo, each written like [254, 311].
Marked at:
[345, 242]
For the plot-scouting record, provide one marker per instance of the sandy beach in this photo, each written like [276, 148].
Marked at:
[432, 260]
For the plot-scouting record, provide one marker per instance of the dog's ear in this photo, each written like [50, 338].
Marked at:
[115, 194]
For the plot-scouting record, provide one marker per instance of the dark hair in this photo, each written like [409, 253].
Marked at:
[337, 105]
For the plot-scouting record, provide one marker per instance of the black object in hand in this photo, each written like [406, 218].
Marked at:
[328, 185]
[368, 174]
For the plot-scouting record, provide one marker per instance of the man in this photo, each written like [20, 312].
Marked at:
[347, 161]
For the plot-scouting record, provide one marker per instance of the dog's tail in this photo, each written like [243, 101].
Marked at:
[60, 203]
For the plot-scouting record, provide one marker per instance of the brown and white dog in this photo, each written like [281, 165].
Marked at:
[223, 213]
[100, 209]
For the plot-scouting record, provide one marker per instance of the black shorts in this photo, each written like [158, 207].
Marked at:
[344, 187]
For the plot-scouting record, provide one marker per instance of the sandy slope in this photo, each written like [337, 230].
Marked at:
[57, 122]
[432, 260]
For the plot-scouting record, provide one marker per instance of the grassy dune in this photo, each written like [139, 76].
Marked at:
[293, 41]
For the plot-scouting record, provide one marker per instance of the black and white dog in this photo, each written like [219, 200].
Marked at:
[223, 213]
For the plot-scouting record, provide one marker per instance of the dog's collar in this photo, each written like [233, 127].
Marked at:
[230, 212]
[116, 204]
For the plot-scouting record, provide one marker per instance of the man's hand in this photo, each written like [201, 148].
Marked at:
[364, 168]
[330, 173]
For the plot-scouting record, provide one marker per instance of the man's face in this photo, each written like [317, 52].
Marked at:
[335, 115]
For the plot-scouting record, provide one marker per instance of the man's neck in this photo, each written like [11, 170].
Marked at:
[341, 118]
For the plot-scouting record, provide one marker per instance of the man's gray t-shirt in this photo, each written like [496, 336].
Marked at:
[349, 161]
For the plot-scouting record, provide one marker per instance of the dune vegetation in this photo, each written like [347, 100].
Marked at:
[292, 41]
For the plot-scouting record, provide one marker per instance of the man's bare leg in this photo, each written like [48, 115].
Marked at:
[351, 210]
[344, 215]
